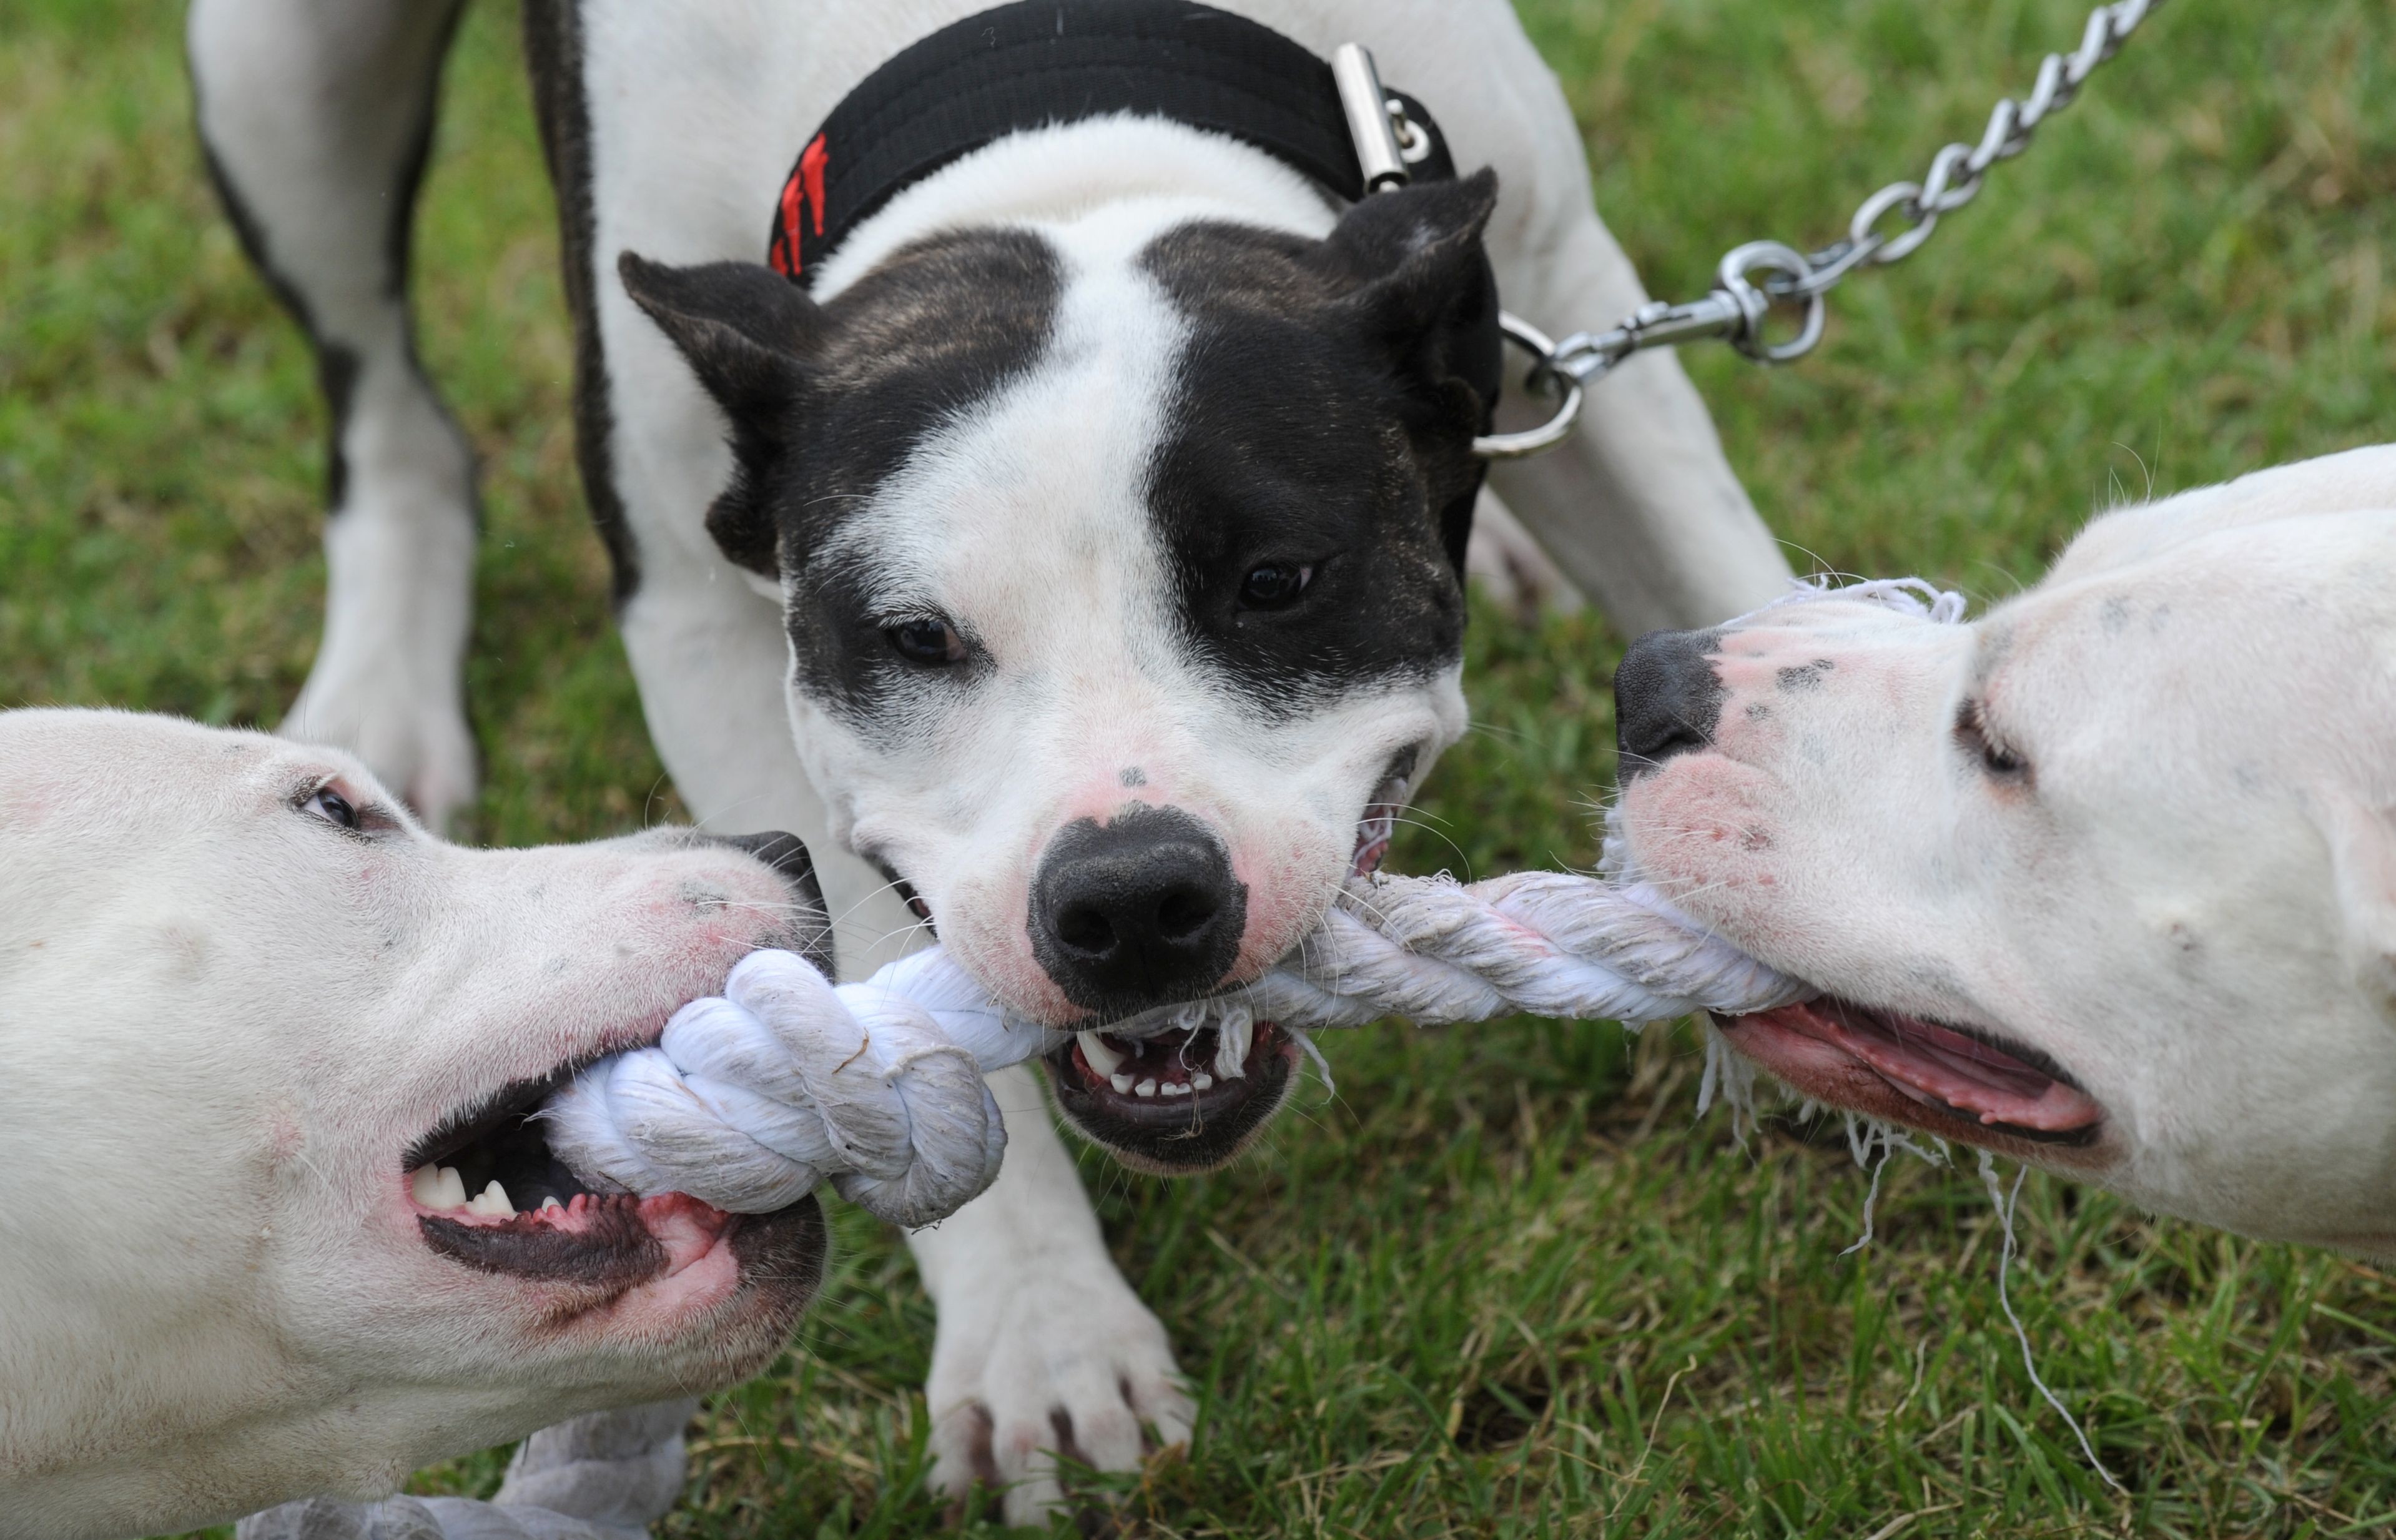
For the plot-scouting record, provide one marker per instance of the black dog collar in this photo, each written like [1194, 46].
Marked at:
[1041, 62]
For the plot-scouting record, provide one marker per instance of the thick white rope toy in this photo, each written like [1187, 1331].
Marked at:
[752, 1098]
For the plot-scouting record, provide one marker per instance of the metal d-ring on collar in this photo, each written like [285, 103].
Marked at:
[1758, 276]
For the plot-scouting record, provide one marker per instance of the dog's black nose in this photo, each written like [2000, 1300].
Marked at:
[1665, 698]
[1138, 913]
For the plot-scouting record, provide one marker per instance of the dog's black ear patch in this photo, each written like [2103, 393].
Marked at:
[747, 332]
[1420, 289]
[1421, 285]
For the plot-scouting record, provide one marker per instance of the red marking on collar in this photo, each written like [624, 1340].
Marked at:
[804, 191]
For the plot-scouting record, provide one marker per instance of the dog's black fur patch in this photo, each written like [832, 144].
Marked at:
[1324, 416]
[826, 401]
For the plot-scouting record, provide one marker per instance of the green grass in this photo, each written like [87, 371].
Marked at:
[1505, 1284]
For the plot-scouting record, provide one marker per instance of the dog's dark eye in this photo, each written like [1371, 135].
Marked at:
[331, 807]
[1274, 585]
[1996, 756]
[932, 644]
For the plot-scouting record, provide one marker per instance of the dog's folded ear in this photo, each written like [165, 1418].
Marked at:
[2362, 858]
[1414, 281]
[1421, 285]
[747, 332]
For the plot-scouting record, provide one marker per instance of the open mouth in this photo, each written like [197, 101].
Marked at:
[1180, 1073]
[1184, 1098]
[1955, 1082]
[486, 1191]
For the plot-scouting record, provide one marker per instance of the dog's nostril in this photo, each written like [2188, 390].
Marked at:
[1666, 699]
[1184, 911]
[1086, 930]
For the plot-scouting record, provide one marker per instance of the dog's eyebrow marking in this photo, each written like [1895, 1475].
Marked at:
[1134, 776]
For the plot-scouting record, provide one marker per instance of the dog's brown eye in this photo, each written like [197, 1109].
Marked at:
[331, 807]
[932, 644]
[1996, 756]
[1274, 585]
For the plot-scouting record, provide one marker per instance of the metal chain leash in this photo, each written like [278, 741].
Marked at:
[1754, 279]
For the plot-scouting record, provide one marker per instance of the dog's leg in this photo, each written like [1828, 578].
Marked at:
[316, 116]
[1043, 1347]
[1509, 566]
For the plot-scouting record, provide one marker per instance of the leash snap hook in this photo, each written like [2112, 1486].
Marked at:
[1754, 301]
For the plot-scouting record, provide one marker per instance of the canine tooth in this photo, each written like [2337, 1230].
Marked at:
[1145, 1088]
[1201, 1082]
[450, 1191]
[1172, 1088]
[492, 1203]
[424, 1186]
[1120, 1082]
[1105, 1060]
[1233, 1035]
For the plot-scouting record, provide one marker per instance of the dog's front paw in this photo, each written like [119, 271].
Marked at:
[1042, 1361]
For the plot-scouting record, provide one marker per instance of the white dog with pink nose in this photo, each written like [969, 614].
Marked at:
[2105, 880]
[279, 1222]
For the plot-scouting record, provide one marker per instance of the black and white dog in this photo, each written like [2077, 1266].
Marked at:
[1093, 520]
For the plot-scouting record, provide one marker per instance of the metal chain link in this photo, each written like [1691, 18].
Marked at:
[1754, 278]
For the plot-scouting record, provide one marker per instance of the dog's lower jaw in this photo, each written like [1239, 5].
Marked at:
[1178, 1135]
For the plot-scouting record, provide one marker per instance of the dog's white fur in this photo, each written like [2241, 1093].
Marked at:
[696, 112]
[2188, 903]
[223, 1018]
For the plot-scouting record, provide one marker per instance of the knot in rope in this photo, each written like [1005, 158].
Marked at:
[752, 1098]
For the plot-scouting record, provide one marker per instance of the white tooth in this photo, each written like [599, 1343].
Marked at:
[1201, 1082]
[1145, 1088]
[1232, 1037]
[1120, 1082]
[1173, 1088]
[425, 1187]
[492, 1203]
[452, 1190]
[1105, 1060]
[551, 1203]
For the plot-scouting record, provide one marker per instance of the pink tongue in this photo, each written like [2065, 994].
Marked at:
[1930, 1063]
